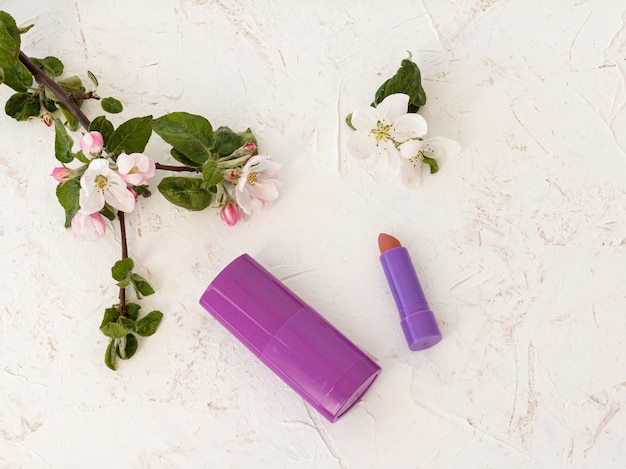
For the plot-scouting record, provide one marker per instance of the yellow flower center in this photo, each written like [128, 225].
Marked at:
[252, 178]
[101, 181]
[382, 132]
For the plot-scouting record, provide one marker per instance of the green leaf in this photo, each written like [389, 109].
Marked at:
[110, 355]
[21, 106]
[72, 122]
[67, 193]
[247, 137]
[93, 78]
[407, 80]
[132, 310]
[111, 105]
[122, 268]
[62, 143]
[18, 77]
[73, 85]
[126, 346]
[349, 121]
[80, 156]
[131, 137]
[148, 325]
[128, 323]
[52, 66]
[178, 156]
[110, 315]
[190, 134]
[108, 212]
[141, 286]
[434, 167]
[103, 125]
[211, 174]
[9, 41]
[114, 330]
[25, 29]
[185, 192]
[226, 141]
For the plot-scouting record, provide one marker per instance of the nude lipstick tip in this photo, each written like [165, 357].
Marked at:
[387, 242]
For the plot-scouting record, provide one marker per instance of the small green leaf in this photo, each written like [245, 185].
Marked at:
[62, 143]
[110, 315]
[132, 310]
[21, 106]
[18, 77]
[434, 167]
[211, 174]
[128, 323]
[67, 194]
[80, 156]
[93, 78]
[226, 141]
[111, 105]
[73, 85]
[148, 325]
[407, 80]
[9, 41]
[110, 355]
[178, 156]
[185, 192]
[52, 66]
[72, 122]
[103, 125]
[108, 212]
[126, 346]
[131, 137]
[114, 330]
[122, 268]
[141, 286]
[349, 121]
[25, 29]
[190, 134]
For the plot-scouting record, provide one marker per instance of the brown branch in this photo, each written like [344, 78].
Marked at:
[166, 167]
[59, 92]
[86, 95]
[120, 216]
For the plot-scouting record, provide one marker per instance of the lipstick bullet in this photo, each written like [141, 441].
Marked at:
[417, 320]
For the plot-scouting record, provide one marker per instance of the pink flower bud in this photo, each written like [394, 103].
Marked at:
[132, 191]
[250, 146]
[230, 214]
[47, 118]
[91, 143]
[61, 174]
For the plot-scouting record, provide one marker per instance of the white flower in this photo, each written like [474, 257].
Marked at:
[381, 130]
[136, 168]
[257, 183]
[88, 227]
[101, 184]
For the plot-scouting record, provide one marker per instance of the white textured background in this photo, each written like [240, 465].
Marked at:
[520, 240]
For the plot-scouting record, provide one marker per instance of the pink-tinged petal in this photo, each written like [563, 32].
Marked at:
[365, 118]
[410, 149]
[118, 196]
[61, 174]
[136, 168]
[88, 227]
[90, 201]
[409, 126]
[91, 143]
[361, 145]
[230, 214]
[393, 107]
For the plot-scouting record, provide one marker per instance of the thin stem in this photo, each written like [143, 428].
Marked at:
[120, 216]
[59, 92]
[167, 167]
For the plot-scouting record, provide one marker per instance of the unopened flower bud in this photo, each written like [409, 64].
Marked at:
[47, 118]
[61, 174]
[230, 214]
[92, 143]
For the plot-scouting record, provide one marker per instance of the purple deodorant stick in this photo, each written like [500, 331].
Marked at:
[289, 337]
[417, 320]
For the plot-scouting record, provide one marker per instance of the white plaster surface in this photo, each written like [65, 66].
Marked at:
[519, 240]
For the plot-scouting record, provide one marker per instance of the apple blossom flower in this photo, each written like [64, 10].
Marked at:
[61, 174]
[92, 143]
[381, 130]
[136, 168]
[257, 183]
[88, 227]
[230, 214]
[100, 184]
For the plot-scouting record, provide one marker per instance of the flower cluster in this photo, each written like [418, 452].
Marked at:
[104, 181]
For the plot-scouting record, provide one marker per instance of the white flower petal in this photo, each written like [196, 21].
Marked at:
[118, 195]
[91, 201]
[410, 148]
[393, 107]
[361, 146]
[408, 126]
[365, 118]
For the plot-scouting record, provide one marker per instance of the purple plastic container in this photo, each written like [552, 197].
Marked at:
[417, 320]
[290, 337]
